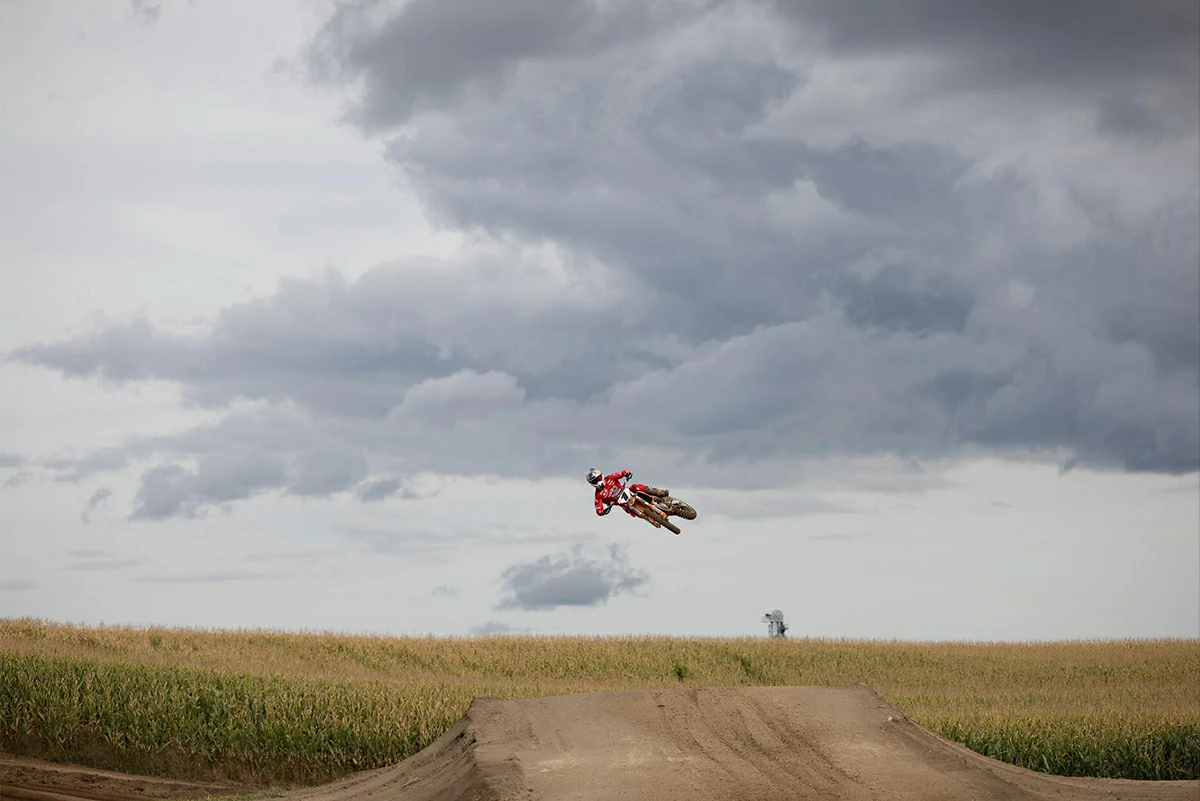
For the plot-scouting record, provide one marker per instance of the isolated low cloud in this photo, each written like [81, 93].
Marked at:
[99, 497]
[20, 478]
[216, 577]
[238, 473]
[148, 10]
[496, 627]
[12, 460]
[569, 579]
[102, 563]
[380, 489]
[16, 585]
[287, 556]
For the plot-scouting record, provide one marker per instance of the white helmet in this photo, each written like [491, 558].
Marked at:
[594, 476]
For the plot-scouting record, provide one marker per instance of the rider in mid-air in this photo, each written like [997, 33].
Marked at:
[608, 489]
[652, 504]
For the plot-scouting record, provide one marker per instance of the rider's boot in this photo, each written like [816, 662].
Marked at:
[656, 492]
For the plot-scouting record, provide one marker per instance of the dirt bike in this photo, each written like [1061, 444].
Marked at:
[654, 504]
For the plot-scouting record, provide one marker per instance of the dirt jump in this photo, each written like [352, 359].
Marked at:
[732, 744]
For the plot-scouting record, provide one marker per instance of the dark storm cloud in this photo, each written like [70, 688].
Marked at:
[256, 350]
[723, 248]
[356, 349]
[432, 51]
[569, 579]
[1058, 45]
[426, 52]
[677, 203]
[1128, 113]
[99, 497]
[1136, 64]
[895, 300]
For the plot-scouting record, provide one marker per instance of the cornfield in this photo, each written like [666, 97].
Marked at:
[268, 708]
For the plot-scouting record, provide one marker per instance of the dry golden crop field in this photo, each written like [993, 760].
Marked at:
[263, 707]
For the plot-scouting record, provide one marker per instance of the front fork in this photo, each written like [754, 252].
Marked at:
[637, 504]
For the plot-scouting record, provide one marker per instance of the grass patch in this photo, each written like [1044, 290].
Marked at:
[266, 708]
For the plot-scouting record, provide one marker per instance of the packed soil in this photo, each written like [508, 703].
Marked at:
[39, 780]
[730, 743]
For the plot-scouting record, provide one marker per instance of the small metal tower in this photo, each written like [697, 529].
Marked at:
[775, 624]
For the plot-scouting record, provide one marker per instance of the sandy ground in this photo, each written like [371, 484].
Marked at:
[731, 744]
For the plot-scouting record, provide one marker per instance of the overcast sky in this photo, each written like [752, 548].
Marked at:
[314, 315]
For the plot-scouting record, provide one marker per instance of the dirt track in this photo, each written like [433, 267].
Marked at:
[38, 780]
[731, 744]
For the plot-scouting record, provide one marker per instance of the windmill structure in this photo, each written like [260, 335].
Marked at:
[775, 625]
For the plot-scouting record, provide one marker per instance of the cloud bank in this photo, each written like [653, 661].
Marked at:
[714, 236]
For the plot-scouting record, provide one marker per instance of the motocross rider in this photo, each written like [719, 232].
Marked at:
[608, 488]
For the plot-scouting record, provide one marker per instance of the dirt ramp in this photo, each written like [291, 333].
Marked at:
[759, 743]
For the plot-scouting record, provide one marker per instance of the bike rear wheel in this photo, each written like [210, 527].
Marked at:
[670, 506]
[681, 509]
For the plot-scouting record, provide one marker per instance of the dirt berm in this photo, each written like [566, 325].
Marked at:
[731, 744]
[751, 743]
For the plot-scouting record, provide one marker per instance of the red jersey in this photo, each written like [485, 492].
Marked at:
[609, 489]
